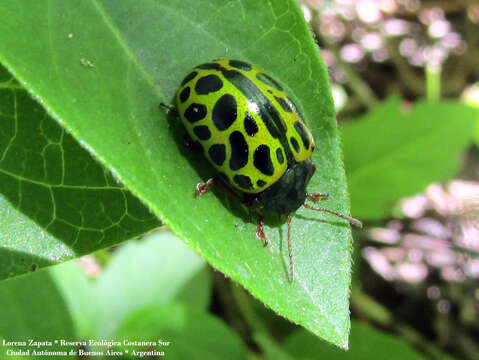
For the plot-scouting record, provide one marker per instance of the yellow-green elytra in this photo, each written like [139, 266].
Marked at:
[253, 134]
[248, 127]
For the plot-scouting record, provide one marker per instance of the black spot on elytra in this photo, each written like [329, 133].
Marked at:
[185, 94]
[209, 66]
[295, 144]
[268, 80]
[224, 112]
[262, 160]
[283, 104]
[250, 125]
[195, 112]
[243, 181]
[279, 155]
[240, 65]
[239, 151]
[202, 131]
[217, 153]
[189, 77]
[208, 84]
[303, 133]
[260, 183]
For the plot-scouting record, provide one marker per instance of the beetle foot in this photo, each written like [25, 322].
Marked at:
[317, 196]
[202, 188]
[260, 233]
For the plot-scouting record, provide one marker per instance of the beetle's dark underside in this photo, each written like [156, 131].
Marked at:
[289, 192]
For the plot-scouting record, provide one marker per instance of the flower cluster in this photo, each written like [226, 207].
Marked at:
[439, 236]
[363, 28]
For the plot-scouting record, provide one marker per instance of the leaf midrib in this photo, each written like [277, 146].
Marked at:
[124, 46]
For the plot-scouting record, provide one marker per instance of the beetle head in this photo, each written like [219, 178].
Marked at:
[289, 192]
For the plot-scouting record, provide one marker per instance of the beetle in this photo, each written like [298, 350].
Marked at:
[254, 135]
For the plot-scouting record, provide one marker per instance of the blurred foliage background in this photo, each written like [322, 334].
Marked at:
[405, 82]
[405, 79]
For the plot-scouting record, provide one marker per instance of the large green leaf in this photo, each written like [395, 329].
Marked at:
[189, 332]
[23, 243]
[62, 303]
[101, 68]
[157, 270]
[45, 174]
[78, 292]
[32, 307]
[271, 350]
[394, 152]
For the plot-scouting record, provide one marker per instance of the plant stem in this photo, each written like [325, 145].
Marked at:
[369, 308]
[231, 312]
[244, 305]
[410, 79]
[360, 87]
[433, 81]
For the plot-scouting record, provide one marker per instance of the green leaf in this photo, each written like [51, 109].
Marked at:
[157, 270]
[191, 333]
[32, 307]
[271, 350]
[20, 242]
[78, 292]
[392, 152]
[46, 175]
[101, 68]
[365, 343]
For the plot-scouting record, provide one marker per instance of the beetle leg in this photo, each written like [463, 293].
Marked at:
[260, 233]
[202, 188]
[290, 251]
[171, 110]
[317, 196]
[350, 219]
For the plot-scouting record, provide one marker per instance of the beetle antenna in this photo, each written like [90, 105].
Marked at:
[170, 110]
[291, 264]
[350, 219]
